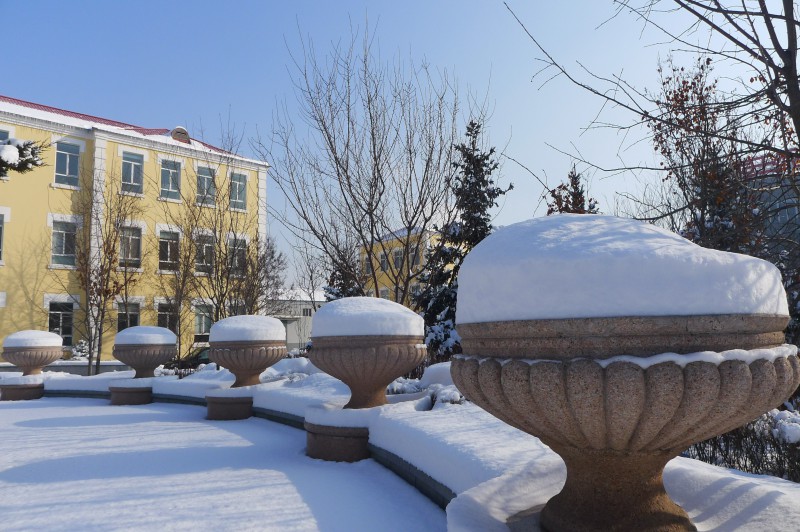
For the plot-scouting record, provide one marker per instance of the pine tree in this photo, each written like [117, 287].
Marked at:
[20, 155]
[342, 282]
[570, 197]
[475, 193]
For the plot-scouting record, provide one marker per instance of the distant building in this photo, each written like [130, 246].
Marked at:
[163, 170]
[395, 258]
[298, 309]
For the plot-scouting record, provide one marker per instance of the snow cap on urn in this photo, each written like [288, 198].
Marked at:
[366, 316]
[145, 335]
[584, 266]
[31, 338]
[248, 329]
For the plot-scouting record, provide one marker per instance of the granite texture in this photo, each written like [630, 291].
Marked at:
[31, 360]
[247, 360]
[144, 358]
[367, 364]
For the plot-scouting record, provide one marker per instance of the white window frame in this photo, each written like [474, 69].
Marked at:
[122, 237]
[206, 199]
[171, 194]
[68, 180]
[132, 187]
[237, 199]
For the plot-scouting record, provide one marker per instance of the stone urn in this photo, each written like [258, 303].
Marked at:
[366, 343]
[32, 350]
[144, 348]
[247, 345]
[618, 344]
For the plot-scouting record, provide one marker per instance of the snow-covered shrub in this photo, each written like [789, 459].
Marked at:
[80, 351]
[403, 385]
[770, 445]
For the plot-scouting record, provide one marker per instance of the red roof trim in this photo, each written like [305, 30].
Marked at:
[105, 121]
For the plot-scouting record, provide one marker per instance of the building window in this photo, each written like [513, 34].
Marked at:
[60, 321]
[206, 189]
[385, 293]
[415, 258]
[168, 242]
[130, 247]
[67, 157]
[204, 254]
[237, 255]
[2, 226]
[368, 265]
[415, 290]
[171, 180]
[202, 322]
[127, 316]
[398, 258]
[63, 251]
[307, 312]
[167, 316]
[384, 262]
[238, 191]
[132, 177]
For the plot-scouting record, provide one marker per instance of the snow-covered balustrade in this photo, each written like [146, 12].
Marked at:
[30, 351]
[143, 348]
[619, 344]
[246, 346]
[366, 343]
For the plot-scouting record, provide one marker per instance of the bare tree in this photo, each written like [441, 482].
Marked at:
[216, 253]
[373, 169]
[104, 211]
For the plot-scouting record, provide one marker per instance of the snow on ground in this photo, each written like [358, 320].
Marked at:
[577, 266]
[80, 464]
[360, 316]
[83, 464]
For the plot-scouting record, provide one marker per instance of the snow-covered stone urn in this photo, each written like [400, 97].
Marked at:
[247, 346]
[32, 350]
[144, 348]
[366, 343]
[618, 344]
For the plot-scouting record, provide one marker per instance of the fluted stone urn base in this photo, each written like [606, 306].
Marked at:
[247, 360]
[31, 360]
[616, 422]
[144, 358]
[607, 490]
[367, 364]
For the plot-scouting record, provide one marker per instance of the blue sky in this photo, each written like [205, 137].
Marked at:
[167, 63]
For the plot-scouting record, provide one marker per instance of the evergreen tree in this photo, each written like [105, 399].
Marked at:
[570, 197]
[20, 155]
[342, 282]
[475, 193]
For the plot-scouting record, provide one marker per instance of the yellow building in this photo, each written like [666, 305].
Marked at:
[152, 179]
[393, 266]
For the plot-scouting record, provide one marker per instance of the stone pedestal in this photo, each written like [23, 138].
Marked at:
[131, 395]
[21, 392]
[337, 444]
[367, 364]
[228, 408]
